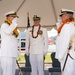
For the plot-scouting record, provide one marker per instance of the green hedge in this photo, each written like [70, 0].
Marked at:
[47, 58]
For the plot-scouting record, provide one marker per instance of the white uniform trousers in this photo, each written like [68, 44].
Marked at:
[8, 65]
[37, 64]
[70, 67]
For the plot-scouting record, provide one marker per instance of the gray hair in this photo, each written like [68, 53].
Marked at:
[71, 16]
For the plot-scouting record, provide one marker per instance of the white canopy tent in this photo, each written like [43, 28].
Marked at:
[48, 10]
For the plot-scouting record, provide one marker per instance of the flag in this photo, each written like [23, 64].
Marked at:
[28, 20]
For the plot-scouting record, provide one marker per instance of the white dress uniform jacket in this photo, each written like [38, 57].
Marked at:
[62, 45]
[9, 43]
[38, 45]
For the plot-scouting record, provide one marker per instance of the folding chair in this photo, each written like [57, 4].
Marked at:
[55, 65]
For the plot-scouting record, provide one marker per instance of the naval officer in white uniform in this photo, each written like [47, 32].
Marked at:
[36, 46]
[9, 44]
[65, 32]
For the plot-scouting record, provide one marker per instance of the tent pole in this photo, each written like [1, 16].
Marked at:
[54, 9]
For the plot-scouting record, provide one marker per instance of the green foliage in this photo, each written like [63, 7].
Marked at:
[47, 58]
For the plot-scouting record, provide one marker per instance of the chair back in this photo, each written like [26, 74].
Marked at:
[27, 61]
[55, 62]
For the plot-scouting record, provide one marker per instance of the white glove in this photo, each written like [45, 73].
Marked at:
[27, 53]
[58, 24]
[14, 20]
[45, 52]
[59, 19]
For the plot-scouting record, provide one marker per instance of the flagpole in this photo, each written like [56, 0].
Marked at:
[28, 20]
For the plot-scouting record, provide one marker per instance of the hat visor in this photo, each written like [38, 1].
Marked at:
[36, 19]
[15, 16]
[61, 15]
